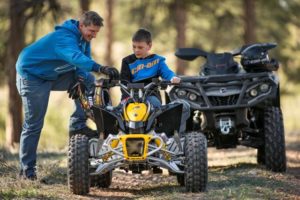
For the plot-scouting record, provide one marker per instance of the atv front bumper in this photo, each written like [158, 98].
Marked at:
[118, 151]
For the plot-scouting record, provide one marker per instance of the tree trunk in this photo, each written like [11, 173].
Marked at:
[109, 32]
[180, 25]
[15, 45]
[249, 19]
[84, 5]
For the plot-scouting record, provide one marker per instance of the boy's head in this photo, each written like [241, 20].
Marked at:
[141, 43]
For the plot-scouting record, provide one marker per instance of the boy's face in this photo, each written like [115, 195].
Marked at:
[141, 49]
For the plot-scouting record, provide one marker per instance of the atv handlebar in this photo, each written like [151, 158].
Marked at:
[140, 89]
[107, 83]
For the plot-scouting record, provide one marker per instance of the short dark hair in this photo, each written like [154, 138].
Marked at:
[142, 35]
[91, 17]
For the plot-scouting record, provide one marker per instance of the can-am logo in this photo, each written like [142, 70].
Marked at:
[223, 90]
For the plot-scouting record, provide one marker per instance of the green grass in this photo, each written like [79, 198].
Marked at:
[24, 193]
[242, 181]
[12, 187]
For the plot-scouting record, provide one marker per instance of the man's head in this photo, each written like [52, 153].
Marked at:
[141, 43]
[89, 25]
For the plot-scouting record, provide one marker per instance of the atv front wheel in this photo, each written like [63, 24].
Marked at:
[101, 181]
[275, 158]
[195, 177]
[78, 165]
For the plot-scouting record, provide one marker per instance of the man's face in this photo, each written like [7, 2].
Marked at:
[141, 49]
[88, 32]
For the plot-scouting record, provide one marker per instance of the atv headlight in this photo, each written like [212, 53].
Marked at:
[253, 92]
[192, 96]
[135, 147]
[264, 87]
[181, 93]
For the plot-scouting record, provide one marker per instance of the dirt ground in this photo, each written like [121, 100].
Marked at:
[233, 174]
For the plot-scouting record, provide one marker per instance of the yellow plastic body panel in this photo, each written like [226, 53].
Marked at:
[136, 112]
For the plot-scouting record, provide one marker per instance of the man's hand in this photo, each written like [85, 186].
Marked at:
[175, 79]
[112, 72]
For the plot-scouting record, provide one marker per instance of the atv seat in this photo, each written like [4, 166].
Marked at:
[219, 63]
[190, 53]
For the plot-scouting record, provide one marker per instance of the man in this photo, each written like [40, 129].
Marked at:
[54, 62]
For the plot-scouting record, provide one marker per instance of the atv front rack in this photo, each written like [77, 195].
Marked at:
[140, 143]
[230, 91]
[118, 151]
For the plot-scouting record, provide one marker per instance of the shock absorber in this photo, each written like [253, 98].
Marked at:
[97, 97]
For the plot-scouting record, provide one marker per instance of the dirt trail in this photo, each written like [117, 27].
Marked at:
[233, 174]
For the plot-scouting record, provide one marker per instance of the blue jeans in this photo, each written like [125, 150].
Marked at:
[154, 101]
[35, 96]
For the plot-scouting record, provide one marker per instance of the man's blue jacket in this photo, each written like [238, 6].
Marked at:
[56, 53]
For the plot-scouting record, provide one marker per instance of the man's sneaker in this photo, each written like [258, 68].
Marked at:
[28, 176]
[85, 131]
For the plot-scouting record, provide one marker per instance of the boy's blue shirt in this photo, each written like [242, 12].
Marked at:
[56, 53]
[150, 67]
[143, 70]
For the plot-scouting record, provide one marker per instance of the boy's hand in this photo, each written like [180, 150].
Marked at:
[175, 79]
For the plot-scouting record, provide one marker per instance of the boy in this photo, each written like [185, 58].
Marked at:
[142, 66]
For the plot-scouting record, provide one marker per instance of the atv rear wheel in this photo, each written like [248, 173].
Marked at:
[275, 157]
[101, 181]
[78, 165]
[195, 177]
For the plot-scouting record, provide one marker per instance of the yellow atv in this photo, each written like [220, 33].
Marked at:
[134, 136]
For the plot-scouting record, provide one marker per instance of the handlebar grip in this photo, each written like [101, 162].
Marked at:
[106, 83]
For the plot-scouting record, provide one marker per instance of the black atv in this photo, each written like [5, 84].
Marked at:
[134, 136]
[236, 103]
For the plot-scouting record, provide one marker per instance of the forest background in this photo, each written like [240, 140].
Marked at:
[216, 26]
